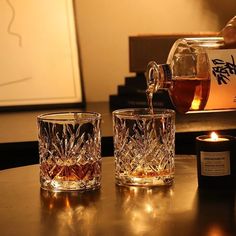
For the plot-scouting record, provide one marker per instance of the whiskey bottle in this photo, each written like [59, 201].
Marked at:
[187, 74]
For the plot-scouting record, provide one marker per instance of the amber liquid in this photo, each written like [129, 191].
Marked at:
[149, 94]
[189, 94]
[75, 172]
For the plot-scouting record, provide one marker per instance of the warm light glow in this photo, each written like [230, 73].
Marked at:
[215, 230]
[67, 202]
[197, 98]
[148, 208]
[50, 206]
[214, 136]
[195, 104]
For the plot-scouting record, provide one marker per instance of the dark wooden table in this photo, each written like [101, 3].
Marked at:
[181, 209]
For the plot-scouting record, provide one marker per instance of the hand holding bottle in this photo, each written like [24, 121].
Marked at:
[229, 33]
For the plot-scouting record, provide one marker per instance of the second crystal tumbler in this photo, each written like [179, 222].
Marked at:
[144, 146]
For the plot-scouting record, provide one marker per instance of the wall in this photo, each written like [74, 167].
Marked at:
[105, 25]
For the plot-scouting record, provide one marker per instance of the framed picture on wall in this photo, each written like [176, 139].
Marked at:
[39, 59]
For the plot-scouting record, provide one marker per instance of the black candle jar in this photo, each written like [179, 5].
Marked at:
[216, 161]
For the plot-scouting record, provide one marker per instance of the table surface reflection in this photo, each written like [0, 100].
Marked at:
[181, 209]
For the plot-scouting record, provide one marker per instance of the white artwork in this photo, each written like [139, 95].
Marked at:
[39, 61]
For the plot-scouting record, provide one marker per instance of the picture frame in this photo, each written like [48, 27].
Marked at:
[40, 64]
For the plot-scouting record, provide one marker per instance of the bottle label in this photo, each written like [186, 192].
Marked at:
[223, 79]
[215, 163]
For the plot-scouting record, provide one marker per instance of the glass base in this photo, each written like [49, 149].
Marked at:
[60, 186]
[145, 182]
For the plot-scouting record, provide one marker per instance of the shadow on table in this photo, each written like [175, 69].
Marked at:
[215, 212]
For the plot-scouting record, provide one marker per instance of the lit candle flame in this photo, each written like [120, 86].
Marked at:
[214, 136]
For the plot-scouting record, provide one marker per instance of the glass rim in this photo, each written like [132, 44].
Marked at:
[134, 112]
[72, 116]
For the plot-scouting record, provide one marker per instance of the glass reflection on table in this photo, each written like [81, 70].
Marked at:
[68, 212]
[141, 206]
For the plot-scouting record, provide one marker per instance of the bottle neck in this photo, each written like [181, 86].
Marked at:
[158, 76]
